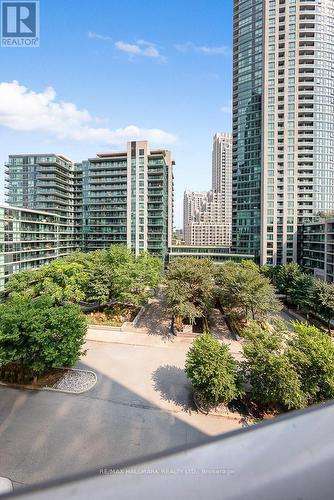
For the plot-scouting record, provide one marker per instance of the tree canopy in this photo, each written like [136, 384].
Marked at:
[36, 335]
[243, 289]
[288, 369]
[104, 276]
[303, 291]
[190, 287]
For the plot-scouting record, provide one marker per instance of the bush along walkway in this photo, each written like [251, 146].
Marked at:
[35, 337]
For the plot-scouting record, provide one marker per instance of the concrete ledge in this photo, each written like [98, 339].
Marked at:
[138, 316]
[106, 327]
[223, 412]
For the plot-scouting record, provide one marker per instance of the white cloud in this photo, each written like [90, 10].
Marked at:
[203, 49]
[227, 108]
[140, 48]
[92, 34]
[23, 109]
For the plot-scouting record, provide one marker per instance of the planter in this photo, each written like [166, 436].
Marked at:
[218, 411]
[67, 380]
[138, 316]
[112, 317]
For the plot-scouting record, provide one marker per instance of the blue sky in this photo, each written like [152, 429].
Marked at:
[163, 67]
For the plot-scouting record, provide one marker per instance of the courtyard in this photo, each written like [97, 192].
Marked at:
[140, 405]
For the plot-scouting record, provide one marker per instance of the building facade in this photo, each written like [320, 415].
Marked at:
[316, 249]
[124, 197]
[283, 122]
[207, 216]
[207, 224]
[44, 182]
[28, 239]
[222, 172]
[215, 253]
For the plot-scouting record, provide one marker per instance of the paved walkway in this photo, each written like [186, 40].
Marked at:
[155, 323]
[156, 319]
[220, 329]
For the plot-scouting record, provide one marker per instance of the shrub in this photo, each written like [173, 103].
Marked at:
[273, 379]
[311, 352]
[288, 370]
[36, 335]
[212, 371]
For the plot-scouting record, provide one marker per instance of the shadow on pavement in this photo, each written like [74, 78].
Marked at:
[174, 387]
[45, 435]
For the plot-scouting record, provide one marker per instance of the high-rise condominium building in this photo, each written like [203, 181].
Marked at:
[207, 216]
[205, 224]
[222, 170]
[28, 239]
[44, 182]
[192, 206]
[283, 122]
[124, 197]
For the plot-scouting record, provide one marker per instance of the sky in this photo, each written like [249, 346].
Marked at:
[108, 71]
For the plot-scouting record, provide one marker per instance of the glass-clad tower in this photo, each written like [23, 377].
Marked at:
[44, 182]
[283, 122]
[247, 125]
[116, 197]
[126, 197]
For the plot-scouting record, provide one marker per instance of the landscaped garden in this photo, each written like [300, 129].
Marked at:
[194, 287]
[44, 316]
[115, 315]
[281, 370]
[309, 296]
[284, 366]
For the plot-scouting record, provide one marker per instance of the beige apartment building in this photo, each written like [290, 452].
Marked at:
[208, 215]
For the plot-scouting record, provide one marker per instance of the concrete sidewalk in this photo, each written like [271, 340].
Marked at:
[138, 338]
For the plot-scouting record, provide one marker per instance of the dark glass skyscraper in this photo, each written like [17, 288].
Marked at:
[283, 122]
[247, 125]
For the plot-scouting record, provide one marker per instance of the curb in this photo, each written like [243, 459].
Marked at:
[51, 389]
[105, 327]
[230, 415]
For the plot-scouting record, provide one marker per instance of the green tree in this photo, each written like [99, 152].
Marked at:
[212, 371]
[132, 277]
[22, 283]
[36, 335]
[242, 288]
[302, 292]
[62, 281]
[190, 288]
[148, 271]
[103, 276]
[273, 378]
[100, 282]
[324, 301]
[286, 277]
[79, 257]
[312, 354]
